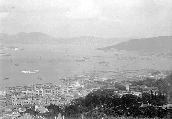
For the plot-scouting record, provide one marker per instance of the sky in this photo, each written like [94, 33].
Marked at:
[102, 18]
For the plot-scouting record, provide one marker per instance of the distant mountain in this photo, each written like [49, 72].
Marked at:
[41, 38]
[148, 45]
[23, 38]
[38, 37]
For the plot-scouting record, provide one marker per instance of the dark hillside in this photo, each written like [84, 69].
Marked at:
[154, 44]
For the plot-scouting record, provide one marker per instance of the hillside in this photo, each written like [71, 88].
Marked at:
[25, 38]
[41, 38]
[147, 45]
[38, 37]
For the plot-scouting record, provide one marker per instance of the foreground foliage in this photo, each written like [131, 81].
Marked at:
[105, 103]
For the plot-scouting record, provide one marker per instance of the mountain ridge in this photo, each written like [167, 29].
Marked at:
[42, 38]
[153, 44]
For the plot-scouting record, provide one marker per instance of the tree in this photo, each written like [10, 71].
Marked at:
[129, 102]
[71, 110]
[150, 112]
[146, 97]
[53, 109]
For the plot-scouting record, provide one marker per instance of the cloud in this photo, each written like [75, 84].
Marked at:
[3, 15]
[84, 9]
[97, 17]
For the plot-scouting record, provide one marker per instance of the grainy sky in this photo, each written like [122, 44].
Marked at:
[103, 18]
